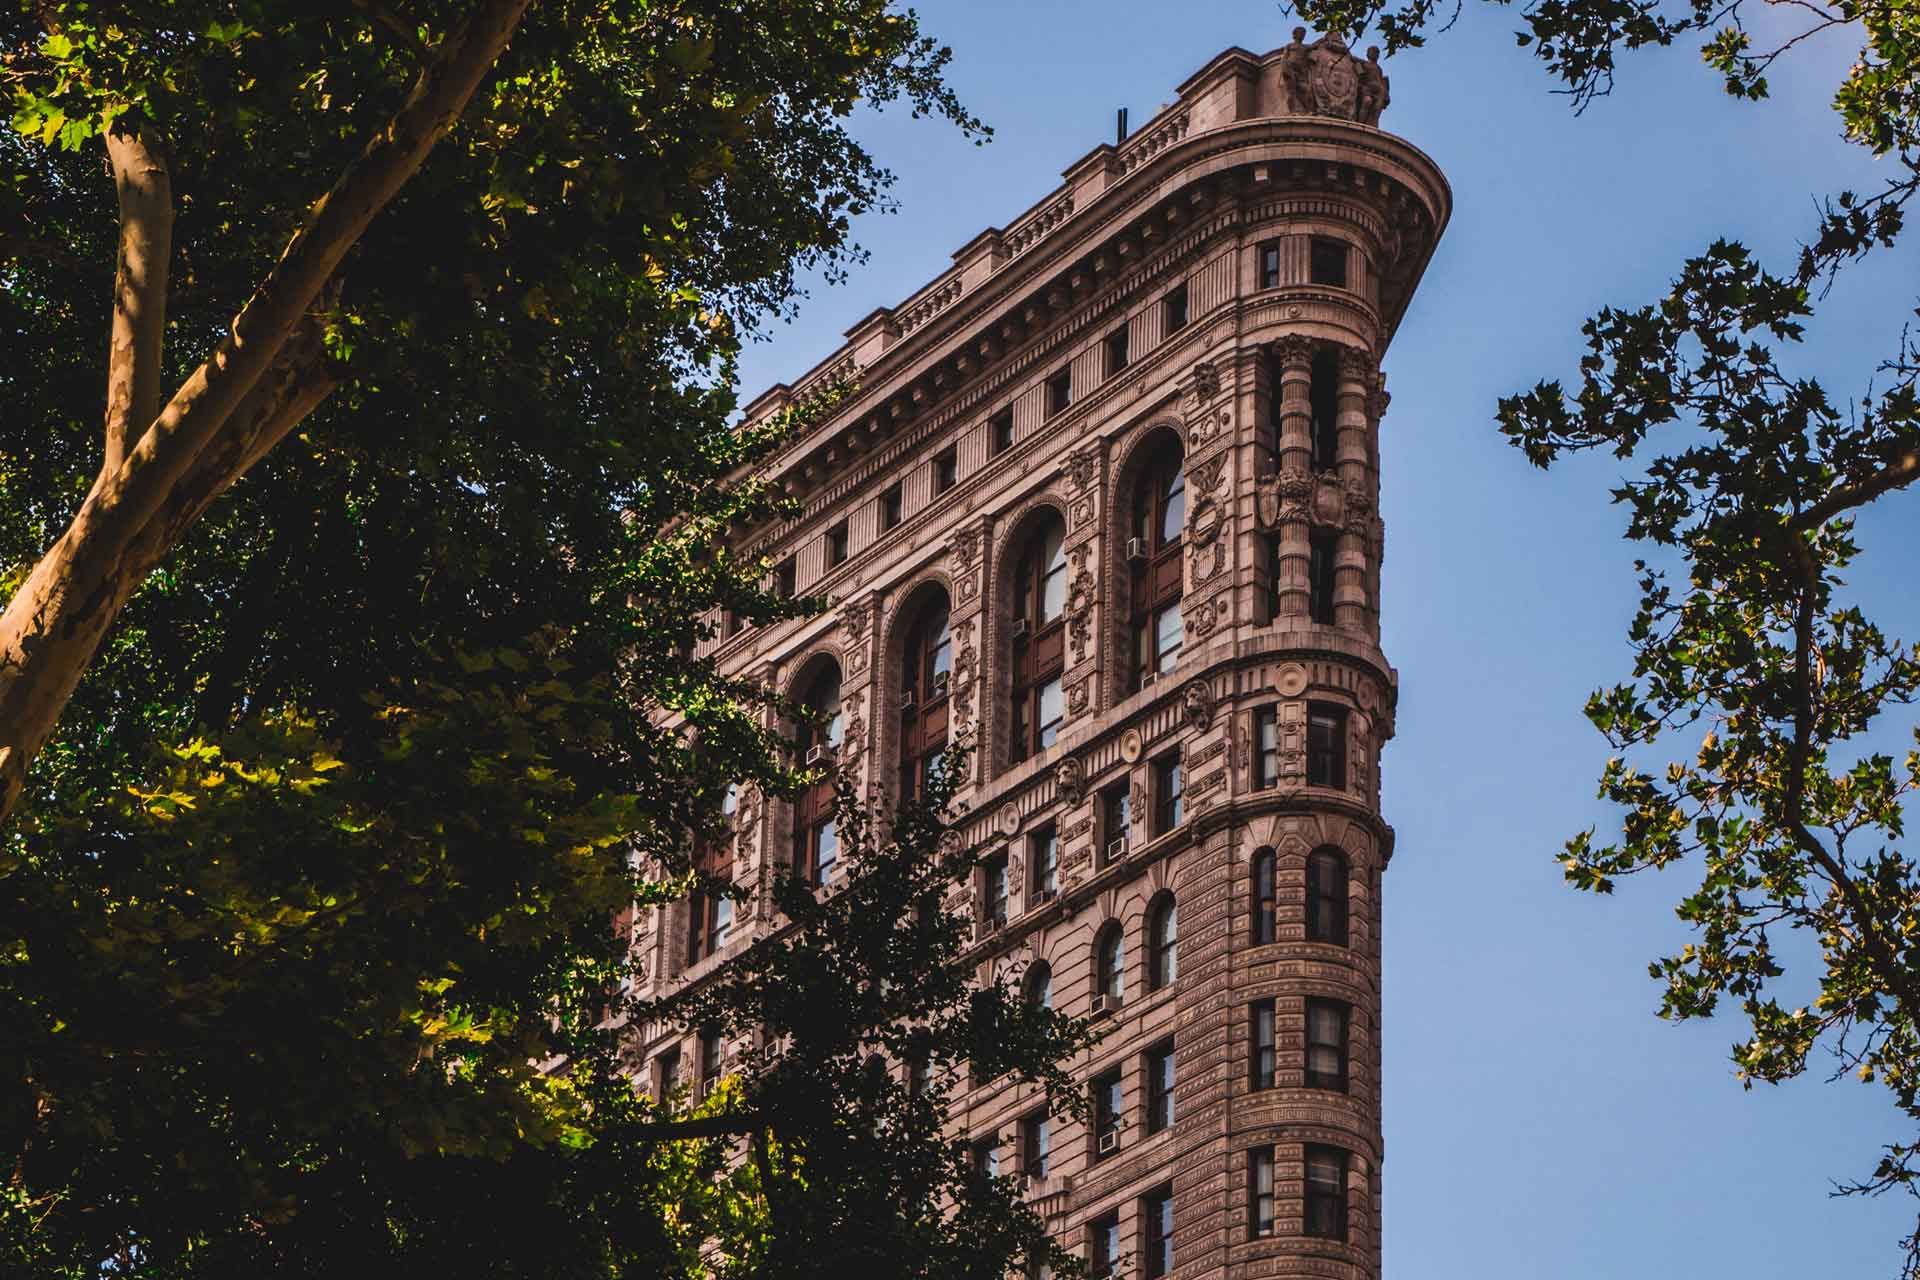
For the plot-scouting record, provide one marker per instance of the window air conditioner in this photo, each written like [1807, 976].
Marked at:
[939, 686]
[1116, 850]
[906, 699]
[819, 753]
[1109, 1142]
[1104, 1005]
[1019, 628]
[1137, 549]
[1150, 679]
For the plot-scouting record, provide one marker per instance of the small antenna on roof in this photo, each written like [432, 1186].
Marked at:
[1120, 127]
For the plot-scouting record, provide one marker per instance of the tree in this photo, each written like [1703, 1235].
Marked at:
[1748, 482]
[342, 774]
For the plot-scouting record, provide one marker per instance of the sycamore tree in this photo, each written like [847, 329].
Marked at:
[1748, 478]
[365, 471]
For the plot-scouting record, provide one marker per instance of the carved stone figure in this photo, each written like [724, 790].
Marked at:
[1196, 699]
[1373, 89]
[1070, 780]
[1294, 74]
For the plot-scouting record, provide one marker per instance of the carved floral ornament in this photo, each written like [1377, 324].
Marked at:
[1296, 496]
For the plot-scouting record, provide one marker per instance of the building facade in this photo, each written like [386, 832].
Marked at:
[1105, 505]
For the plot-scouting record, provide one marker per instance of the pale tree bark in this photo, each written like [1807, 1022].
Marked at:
[165, 465]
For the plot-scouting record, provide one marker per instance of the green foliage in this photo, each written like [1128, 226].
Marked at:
[309, 924]
[1746, 482]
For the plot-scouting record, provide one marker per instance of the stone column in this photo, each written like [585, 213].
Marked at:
[1352, 601]
[1295, 476]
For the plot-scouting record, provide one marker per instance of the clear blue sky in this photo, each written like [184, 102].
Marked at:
[1540, 1121]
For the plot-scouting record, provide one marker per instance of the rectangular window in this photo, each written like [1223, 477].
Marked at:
[837, 545]
[731, 624]
[1320, 556]
[1266, 747]
[1059, 391]
[1167, 786]
[709, 1059]
[821, 852]
[1275, 566]
[995, 890]
[1000, 433]
[1327, 1044]
[1266, 914]
[1173, 310]
[1043, 857]
[1326, 746]
[986, 1157]
[666, 1069]
[1103, 1246]
[919, 1076]
[946, 471]
[1323, 402]
[1106, 1114]
[1329, 264]
[1036, 1145]
[1327, 898]
[1326, 1193]
[1159, 1072]
[1115, 347]
[785, 579]
[1260, 1192]
[1116, 823]
[1270, 264]
[892, 507]
[1156, 1231]
[1260, 1040]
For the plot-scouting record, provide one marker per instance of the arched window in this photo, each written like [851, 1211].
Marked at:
[1265, 900]
[1037, 986]
[1039, 638]
[1163, 943]
[925, 663]
[1327, 897]
[817, 732]
[1153, 556]
[1110, 963]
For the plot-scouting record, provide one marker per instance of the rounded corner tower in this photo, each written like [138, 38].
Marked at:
[1105, 505]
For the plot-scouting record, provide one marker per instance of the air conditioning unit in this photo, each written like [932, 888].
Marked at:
[1104, 1005]
[819, 753]
[939, 686]
[1150, 679]
[1109, 1142]
[1116, 850]
[906, 699]
[1019, 628]
[1137, 550]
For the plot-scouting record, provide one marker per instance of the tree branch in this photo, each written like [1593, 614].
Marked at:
[1903, 470]
[54, 623]
[145, 189]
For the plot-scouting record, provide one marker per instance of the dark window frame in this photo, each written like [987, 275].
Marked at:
[1327, 745]
[1115, 350]
[1265, 898]
[1341, 1013]
[1266, 747]
[1000, 433]
[1059, 391]
[996, 891]
[1163, 942]
[1328, 261]
[1039, 649]
[1169, 791]
[892, 504]
[1043, 861]
[1156, 1232]
[1327, 896]
[1267, 263]
[786, 579]
[1116, 818]
[1108, 1097]
[1323, 399]
[1323, 550]
[1261, 1193]
[1175, 309]
[1110, 962]
[1036, 1145]
[1157, 581]
[1263, 1045]
[946, 470]
[925, 658]
[839, 545]
[1157, 1068]
[1103, 1245]
[1325, 1216]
